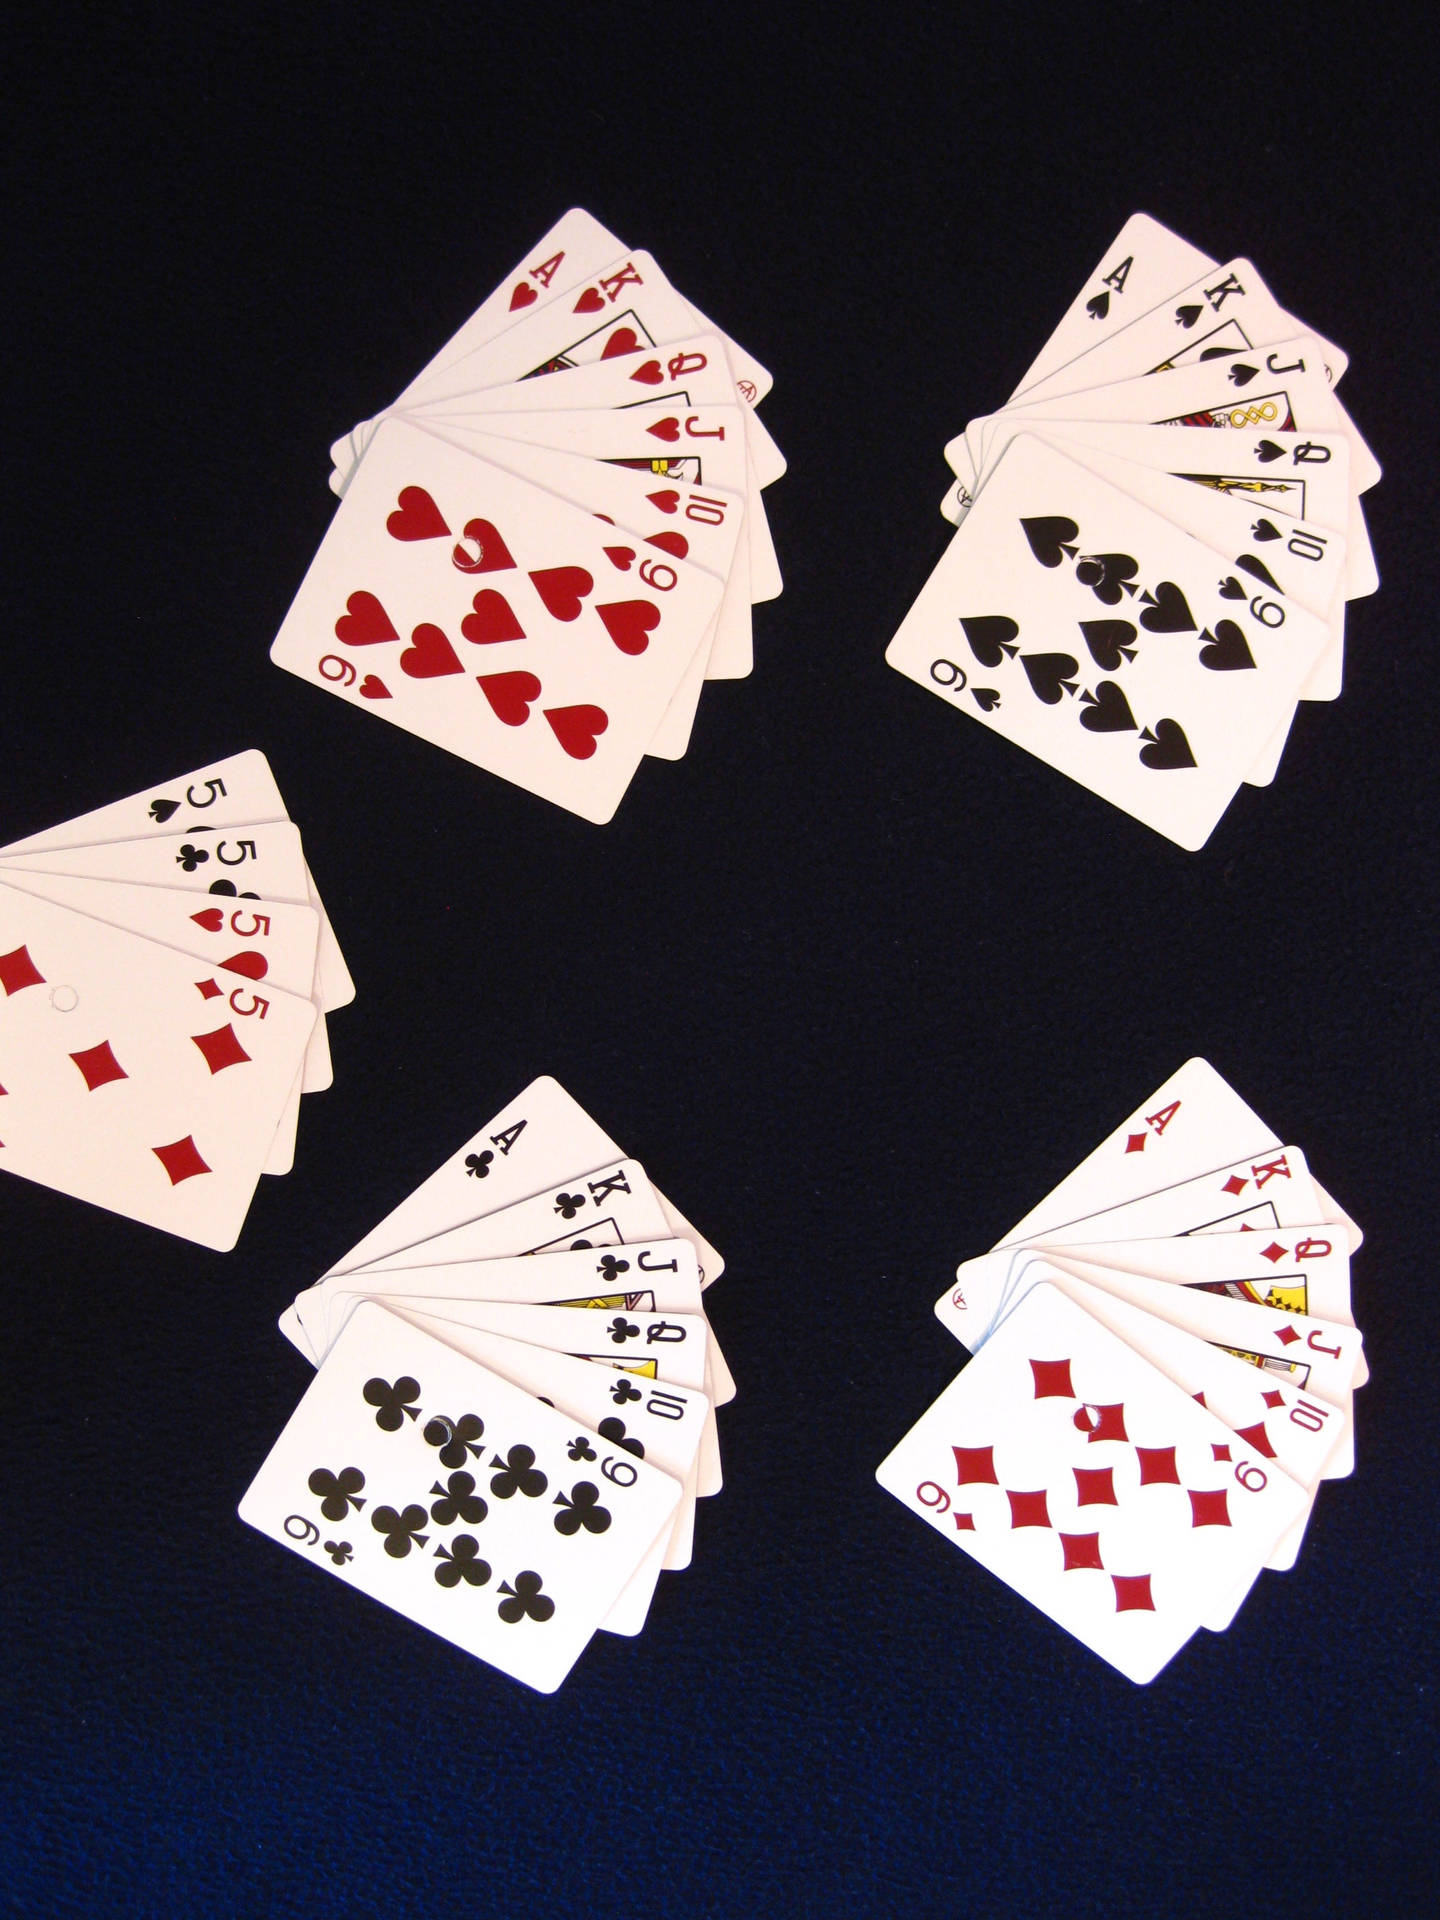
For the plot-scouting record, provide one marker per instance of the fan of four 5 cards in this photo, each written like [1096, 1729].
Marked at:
[1136, 603]
[540, 574]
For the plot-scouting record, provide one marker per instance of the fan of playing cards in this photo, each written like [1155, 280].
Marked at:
[1165, 1364]
[1137, 604]
[513, 1412]
[155, 1045]
[541, 574]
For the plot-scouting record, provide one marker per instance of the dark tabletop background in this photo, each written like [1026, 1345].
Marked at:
[857, 981]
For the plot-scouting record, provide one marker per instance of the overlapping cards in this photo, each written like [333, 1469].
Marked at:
[1139, 604]
[541, 574]
[512, 1415]
[1165, 1362]
[166, 967]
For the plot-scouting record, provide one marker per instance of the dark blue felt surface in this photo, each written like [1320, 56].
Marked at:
[856, 981]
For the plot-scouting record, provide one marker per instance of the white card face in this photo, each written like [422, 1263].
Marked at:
[1226, 309]
[224, 794]
[1144, 263]
[262, 857]
[1318, 1357]
[1085, 628]
[701, 524]
[1083, 1477]
[1274, 1420]
[700, 446]
[693, 370]
[682, 374]
[1193, 1121]
[1303, 476]
[1295, 1269]
[656, 1421]
[1261, 1407]
[132, 1078]
[574, 248]
[668, 1347]
[1280, 389]
[658, 1275]
[990, 1288]
[600, 1208]
[629, 304]
[1262, 1191]
[274, 941]
[446, 1493]
[552, 670]
[625, 306]
[1301, 559]
[539, 1138]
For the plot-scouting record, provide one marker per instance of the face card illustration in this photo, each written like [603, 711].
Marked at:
[134, 1079]
[586, 1212]
[455, 1498]
[1275, 389]
[1302, 1269]
[659, 1275]
[1092, 632]
[1099, 1490]
[455, 601]
[697, 520]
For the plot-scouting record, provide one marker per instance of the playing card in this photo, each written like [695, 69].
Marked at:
[134, 1079]
[1300, 1434]
[1226, 309]
[702, 445]
[226, 793]
[554, 672]
[538, 1139]
[699, 522]
[1144, 263]
[627, 305]
[658, 1275]
[712, 520]
[1088, 1481]
[261, 856]
[1304, 476]
[1304, 561]
[1192, 1123]
[576, 247]
[659, 1346]
[446, 1493]
[1319, 1357]
[584, 1211]
[1259, 1192]
[1299, 1270]
[1280, 388]
[276, 943]
[1186, 678]
[658, 1422]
